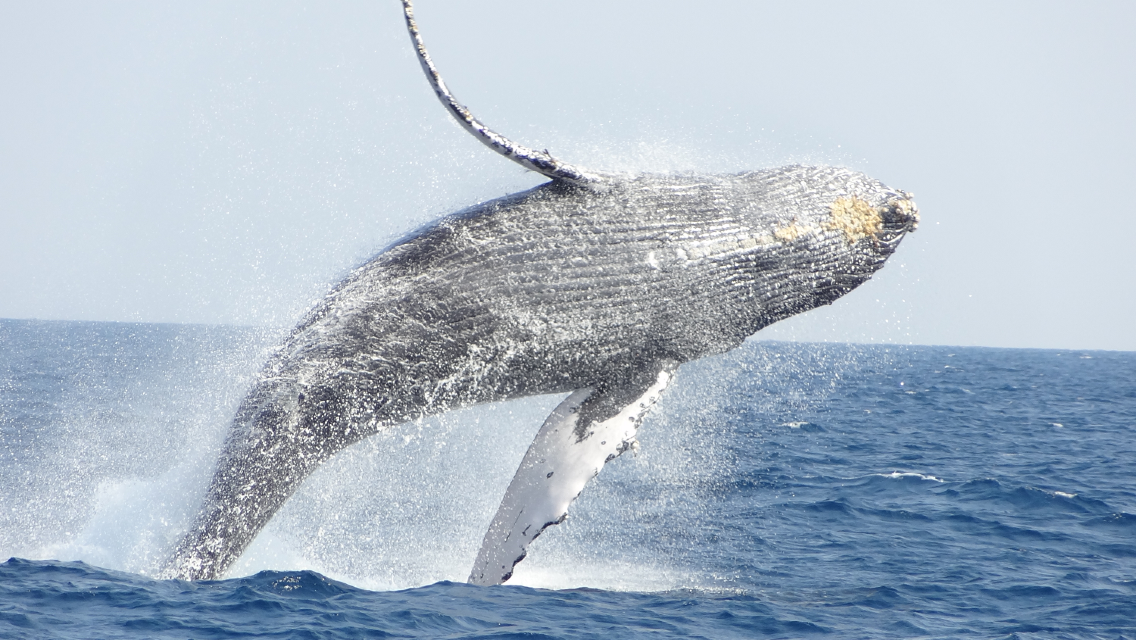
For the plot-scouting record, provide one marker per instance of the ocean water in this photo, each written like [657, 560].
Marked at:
[780, 491]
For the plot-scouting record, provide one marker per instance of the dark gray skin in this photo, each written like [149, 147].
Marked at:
[547, 291]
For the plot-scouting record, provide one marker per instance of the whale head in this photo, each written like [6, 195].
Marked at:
[815, 233]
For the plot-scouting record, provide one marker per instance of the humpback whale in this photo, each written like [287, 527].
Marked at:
[596, 285]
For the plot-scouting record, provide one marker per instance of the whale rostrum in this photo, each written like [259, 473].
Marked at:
[594, 285]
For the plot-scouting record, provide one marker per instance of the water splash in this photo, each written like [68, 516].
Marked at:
[130, 434]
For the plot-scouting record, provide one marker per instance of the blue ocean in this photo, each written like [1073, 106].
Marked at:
[783, 490]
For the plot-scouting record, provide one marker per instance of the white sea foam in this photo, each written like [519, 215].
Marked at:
[908, 474]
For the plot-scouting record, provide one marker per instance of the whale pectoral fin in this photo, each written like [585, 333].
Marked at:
[583, 433]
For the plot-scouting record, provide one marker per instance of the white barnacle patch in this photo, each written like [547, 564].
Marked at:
[855, 217]
[652, 261]
[724, 246]
[790, 232]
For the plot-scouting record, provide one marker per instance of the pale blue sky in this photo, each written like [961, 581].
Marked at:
[227, 162]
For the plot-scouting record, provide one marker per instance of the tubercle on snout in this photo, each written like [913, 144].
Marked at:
[904, 210]
[857, 218]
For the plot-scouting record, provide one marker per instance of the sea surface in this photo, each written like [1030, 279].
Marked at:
[782, 490]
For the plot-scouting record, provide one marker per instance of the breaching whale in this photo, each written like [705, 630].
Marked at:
[596, 285]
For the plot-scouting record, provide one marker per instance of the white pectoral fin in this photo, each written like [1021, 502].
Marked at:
[560, 461]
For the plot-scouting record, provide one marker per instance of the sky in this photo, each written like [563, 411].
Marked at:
[217, 162]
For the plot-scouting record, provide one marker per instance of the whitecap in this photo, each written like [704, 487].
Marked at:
[908, 474]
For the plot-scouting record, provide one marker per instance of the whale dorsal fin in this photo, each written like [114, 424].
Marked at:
[584, 432]
[540, 161]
